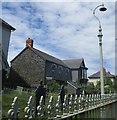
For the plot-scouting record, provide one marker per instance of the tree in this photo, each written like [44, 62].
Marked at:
[108, 85]
[52, 85]
[90, 88]
[107, 81]
[97, 87]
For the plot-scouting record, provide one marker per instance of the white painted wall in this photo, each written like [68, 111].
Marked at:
[94, 81]
[4, 41]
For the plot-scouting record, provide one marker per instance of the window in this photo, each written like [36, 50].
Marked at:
[66, 71]
[53, 69]
[60, 68]
[74, 75]
[84, 74]
[53, 73]
[53, 66]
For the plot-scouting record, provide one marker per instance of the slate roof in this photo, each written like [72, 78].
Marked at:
[97, 74]
[43, 55]
[49, 57]
[5, 24]
[74, 63]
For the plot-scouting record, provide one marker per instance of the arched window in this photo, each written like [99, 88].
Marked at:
[66, 71]
[60, 70]
[53, 66]
[53, 69]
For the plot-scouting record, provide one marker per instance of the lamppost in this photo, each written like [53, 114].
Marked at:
[102, 8]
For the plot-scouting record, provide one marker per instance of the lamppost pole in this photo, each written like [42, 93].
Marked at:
[101, 60]
[100, 47]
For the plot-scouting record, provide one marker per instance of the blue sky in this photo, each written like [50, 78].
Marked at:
[66, 30]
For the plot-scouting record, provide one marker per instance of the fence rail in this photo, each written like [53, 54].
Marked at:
[74, 107]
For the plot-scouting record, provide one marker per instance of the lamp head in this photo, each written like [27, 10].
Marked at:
[103, 8]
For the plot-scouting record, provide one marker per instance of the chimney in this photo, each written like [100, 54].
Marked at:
[29, 43]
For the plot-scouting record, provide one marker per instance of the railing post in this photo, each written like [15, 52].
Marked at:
[86, 102]
[71, 104]
[29, 109]
[89, 102]
[65, 105]
[92, 105]
[50, 107]
[95, 100]
[40, 108]
[58, 108]
[89, 105]
[100, 101]
[83, 100]
[80, 102]
[92, 100]
[76, 104]
[14, 111]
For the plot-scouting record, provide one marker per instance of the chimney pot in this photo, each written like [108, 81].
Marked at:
[29, 42]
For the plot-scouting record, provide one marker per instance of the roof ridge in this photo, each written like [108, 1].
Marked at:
[19, 54]
[5, 23]
[48, 57]
[73, 59]
[46, 53]
[97, 74]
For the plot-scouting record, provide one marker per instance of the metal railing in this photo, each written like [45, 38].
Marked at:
[84, 106]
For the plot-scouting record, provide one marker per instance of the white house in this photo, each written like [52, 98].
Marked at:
[5, 32]
[96, 76]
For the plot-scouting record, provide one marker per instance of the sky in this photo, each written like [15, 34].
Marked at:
[66, 30]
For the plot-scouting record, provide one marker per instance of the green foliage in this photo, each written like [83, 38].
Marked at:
[97, 87]
[78, 82]
[107, 81]
[8, 96]
[115, 84]
[90, 88]
[53, 86]
[108, 85]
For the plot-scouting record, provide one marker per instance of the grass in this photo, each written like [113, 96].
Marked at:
[8, 96]
[7, 99]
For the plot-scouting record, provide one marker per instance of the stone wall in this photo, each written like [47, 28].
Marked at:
[27, 69]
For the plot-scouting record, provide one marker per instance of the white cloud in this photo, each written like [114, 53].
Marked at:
[58, 1]
[65, 30]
